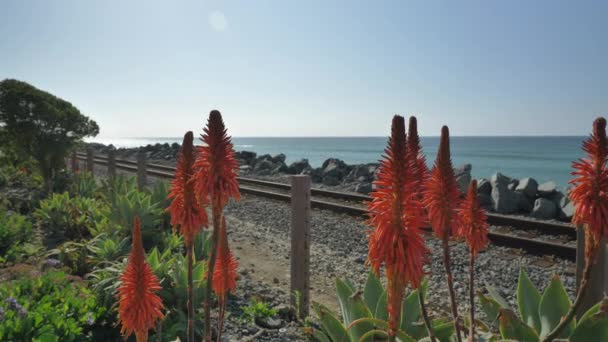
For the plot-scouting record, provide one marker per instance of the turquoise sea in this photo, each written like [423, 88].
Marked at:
[544, 158]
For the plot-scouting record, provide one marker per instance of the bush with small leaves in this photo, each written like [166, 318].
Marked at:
[63, 217]
[49, 307]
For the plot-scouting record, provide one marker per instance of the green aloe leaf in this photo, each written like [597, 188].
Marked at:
[381, 308]
[370, 335]
[353, 307]
[443, 329]
[593, 326]
[554, 304]
[497, 297]
[373, 290]
[528, 299]
[490, 307]
[411, 315]
[320, 336]
[358, 310]
[332, 325]
[344, 291]
[511, 327]
[404, 337]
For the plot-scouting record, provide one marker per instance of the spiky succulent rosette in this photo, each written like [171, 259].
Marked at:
[186, 211]
[417, 159]
[590, 186]
[441, 194]
[472, 224]
[216, 164]
[224, 273]
[395, 214]
[139, 306]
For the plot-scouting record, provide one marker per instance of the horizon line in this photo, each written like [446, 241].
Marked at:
[360, 136]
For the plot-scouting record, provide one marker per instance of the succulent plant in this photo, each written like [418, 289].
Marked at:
[540, 313]
[364, 315]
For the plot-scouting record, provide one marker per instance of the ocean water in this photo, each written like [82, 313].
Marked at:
[543, 158]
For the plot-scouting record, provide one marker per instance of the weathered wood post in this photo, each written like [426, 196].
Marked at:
[300, 243]
[598, 283]
[74, 162]
[142, 171]
[111, 164]
[90, 160]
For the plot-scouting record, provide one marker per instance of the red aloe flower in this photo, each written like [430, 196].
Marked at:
[472, 223]
[590, 185]
[139, 305]
[224, 273]
[395, 213]
[217, 167]
[441, 195]
[417, 159]
[185, 209]
[216, 183]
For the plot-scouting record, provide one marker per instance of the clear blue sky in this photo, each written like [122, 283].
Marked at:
[316, 68]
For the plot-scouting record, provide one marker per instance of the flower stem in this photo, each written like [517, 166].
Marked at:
[448, 272]
[190, 294]
[472, 298]
[216, 213]
[425, 316]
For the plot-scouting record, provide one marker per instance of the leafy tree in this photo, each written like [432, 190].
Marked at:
[36, 124]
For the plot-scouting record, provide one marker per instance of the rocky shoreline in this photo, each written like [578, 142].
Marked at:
[498, 193]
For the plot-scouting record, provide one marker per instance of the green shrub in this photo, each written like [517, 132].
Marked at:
[83, 184]
[126, 202]
[64, 217]
[257, 309]
[15, 237]
[50, 307]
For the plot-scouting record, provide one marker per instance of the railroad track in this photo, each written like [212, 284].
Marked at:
[353, 204]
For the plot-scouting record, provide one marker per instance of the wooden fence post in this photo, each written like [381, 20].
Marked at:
[74, 162]
[142, 171]
[300, 243]
[598, 283]
[90, 160]
[111, 170]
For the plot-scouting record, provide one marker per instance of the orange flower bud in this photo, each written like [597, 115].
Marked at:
[186, 211]
[139, 306]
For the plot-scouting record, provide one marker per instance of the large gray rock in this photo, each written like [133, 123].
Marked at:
[484, 200]
[363, 188]
[357, 173]
[558, 198]
[544, 209]
[280, 167]
[513, 184]
[524, 203]
[298, 167]
[503, 200]
[262, 165]
[246, 157]
[330, 180]
[528, 186]
[547, 189]
[484, 186]
[335, 168]
[463, 177]
[278, 158]
[566, 212]
[499, 178]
